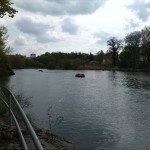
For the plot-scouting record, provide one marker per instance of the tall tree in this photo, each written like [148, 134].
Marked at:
[3, 41]
[133, 39]
[133, 43]
[4, 49]
[99, 56]
[5, 8]
[146, 42]
[91, 58]
[114, 47]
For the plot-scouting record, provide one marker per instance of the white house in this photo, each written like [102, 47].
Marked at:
[32, 55]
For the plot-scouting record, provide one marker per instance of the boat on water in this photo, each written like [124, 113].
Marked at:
[40, 70]
[78, 75]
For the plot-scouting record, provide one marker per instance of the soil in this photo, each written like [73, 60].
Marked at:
[9, 139]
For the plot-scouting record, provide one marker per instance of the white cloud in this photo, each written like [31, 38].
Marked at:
[42, 32]
[60, 7]
[21, 40]
[132, 24]
[102, 37]
[141, 8]
[26, 25]
[69, 26]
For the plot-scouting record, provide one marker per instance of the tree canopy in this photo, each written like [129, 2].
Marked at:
[114, 46]
[4, 49]
[146, 42]
[5, 8]
[133, 39]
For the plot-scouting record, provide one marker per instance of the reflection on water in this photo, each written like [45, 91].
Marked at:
[137, 81]
[103, 111]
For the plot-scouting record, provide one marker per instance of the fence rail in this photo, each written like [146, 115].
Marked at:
[7, 98]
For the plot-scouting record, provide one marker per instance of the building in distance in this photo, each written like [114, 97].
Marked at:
[32, 55]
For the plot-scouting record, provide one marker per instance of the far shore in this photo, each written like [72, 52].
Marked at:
[101, 68]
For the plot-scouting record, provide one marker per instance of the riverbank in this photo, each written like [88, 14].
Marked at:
[103, 68]
[10, 140]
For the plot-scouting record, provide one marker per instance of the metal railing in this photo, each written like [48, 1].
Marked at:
[7, 97]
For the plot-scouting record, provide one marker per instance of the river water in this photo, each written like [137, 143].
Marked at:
[104, 111]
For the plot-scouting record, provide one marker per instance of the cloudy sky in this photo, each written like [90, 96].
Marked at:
[73, 25]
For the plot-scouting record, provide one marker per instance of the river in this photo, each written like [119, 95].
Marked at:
[106, 110]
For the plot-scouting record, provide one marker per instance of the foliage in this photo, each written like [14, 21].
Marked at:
[5, 68]
[91, 57]
[19, 62]
[145, 33]
[114, 46]
[127, 57]
[5, 8]
[136, 52]
[59, 60]
[3, 41]
[133, 39]
[99, 56]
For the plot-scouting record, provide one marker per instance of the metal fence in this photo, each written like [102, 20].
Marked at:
[7, 98]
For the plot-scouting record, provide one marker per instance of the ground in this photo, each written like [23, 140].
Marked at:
[9, 139]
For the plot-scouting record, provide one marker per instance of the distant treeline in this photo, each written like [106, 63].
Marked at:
[57, 60]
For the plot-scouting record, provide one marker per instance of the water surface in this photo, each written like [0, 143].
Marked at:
[103, 111]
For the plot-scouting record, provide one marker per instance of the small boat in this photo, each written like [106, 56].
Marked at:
[78, 75]
[40, 70]
[82, 75]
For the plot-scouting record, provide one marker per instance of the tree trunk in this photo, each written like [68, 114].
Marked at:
[114, 59]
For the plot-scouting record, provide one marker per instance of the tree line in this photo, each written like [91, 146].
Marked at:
[56, 60]
[135, 53]
[135, 49]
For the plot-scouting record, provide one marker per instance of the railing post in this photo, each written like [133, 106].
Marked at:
[10, 117]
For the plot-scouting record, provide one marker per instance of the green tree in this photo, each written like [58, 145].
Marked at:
[91, 58]
[114, 47]
[5, 8]
[133, 43]
[4, 49]
[99, 56]
[127, 57]
[145, 33]
[17, 61]
[133, 39]
[3, 41]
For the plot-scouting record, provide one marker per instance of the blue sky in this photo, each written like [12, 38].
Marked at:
[73, 25]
